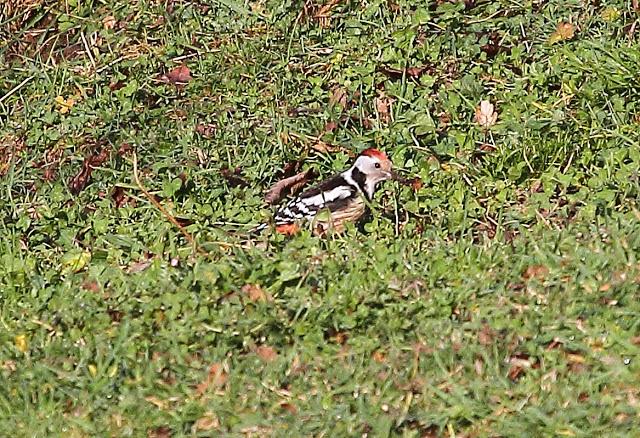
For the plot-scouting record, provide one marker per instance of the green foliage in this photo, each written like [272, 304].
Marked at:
[498, 299]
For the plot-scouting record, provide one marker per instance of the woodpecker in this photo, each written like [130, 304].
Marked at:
[340, 199]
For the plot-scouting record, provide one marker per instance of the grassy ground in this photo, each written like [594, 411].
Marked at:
[498, 299]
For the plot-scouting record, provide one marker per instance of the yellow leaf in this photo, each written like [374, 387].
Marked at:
[610, 14]
[21, 343]
[93, 370]
[564, 31]
[75, 261]
[64, 105]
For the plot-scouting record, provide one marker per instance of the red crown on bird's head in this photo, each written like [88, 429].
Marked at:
[375, 153]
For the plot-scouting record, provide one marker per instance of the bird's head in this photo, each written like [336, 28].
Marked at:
[371, 167]
[375, 165]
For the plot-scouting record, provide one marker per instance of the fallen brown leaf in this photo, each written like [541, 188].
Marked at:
[415, 183]
[109, 22]
[485, 147]
[518, 366]
[138, 266]
[535, 271]
[555, 344]
[234, 177]
[290, 408]
[444, 119]
[291, 168]
[323, 15]
[338, 97]
[49, 174]
[486, 335]
[564, 31]
[207, 130]
[125, 149]
[256, 293]
[330, 127]
[286, 186]
[159, 432]
[378, 356]
[266, 353]
[208, 421]
[158, 403]
[116, 85]
[82, 178]
[118, 196]
[91, 285]
[340, 338]
[216, 377]
[383, 107]
[326, 148]
[485, 114]
[180, 75]
[397, 73]
[575, 358]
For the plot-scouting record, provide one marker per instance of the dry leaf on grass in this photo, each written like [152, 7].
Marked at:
[266, 353]
[338, 97]
[234, 177]
[208, 421]
[519, 364]
[378, 356]
[159, 432]
[415, 183]
[323, 15]
[109, 22]
[325, 148]
[564, 31]
[256, 293]
[288, 186]
[383, 107]
[290, 408]
[216, 378]
[158, 403]
[486, 335]
[535, 271]
[486, 116]
[120, 198]
[206, 130]
[412, 72]
[177, 76]
[125, 149]
[82, 178]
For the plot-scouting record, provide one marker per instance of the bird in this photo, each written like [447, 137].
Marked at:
[337, 200]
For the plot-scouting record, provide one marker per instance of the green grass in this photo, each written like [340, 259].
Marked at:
[499, 299]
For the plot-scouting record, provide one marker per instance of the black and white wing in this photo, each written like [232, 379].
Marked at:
[331, 194]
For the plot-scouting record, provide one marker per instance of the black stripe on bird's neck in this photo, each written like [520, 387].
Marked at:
[361, 179]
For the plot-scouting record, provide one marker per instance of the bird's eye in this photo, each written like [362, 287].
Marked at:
[377, 165]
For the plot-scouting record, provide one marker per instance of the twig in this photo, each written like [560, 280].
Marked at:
[88, 50]
[16, 88]
[166, 214]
